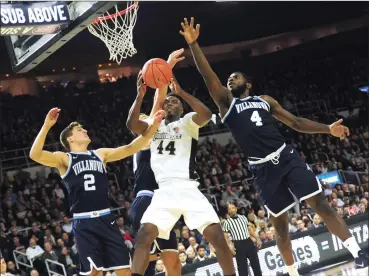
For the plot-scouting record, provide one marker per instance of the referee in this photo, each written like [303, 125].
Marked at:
[244, 248]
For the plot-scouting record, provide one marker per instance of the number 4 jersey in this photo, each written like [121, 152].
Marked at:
[173, 149]
[253, 127]
[87, 182]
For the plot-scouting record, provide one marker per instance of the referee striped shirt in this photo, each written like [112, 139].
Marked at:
[237, 226]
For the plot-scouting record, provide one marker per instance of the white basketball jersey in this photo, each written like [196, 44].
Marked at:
[173, 150]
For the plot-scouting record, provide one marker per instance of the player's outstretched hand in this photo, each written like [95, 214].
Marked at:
[175, 57]
[339, 130]
[158, 116]
[175, 87]
[141, 86]
[189, 32]
[51, 117]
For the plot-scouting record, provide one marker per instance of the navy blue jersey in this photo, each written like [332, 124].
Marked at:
[87, 182]
[253, 127]
[144, 176]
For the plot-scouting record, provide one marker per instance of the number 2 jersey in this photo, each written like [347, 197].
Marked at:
[87, 182]
[173, 149]
[253, 127]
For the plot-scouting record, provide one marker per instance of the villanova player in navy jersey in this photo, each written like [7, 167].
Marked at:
[145, 182]
[280, 175]
[100, 245]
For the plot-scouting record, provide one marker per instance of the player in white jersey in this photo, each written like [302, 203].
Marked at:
[173, 150]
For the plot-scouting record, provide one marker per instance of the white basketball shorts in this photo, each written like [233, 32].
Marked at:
[177, 197]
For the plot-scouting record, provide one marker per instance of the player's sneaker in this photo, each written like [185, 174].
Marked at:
[362, 261]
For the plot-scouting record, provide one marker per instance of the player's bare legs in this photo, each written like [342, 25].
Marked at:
[334, 223]
[123, 272]
[145, 237]
[95, 272]
[171, 263]
[282, 237]
[214, 234]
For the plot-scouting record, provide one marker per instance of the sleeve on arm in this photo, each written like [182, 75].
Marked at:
[190, 126]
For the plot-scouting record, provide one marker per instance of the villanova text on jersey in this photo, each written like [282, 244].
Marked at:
[87, 182]
[253, 126]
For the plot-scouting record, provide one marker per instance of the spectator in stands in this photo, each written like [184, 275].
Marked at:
[67, 226]
[123, 229]
[193, 245]
[159, 266]
[34, 272]
[49, 237]
[301, 226]
[69, 260]
[12, 269]
[317, 222]
[34, 250]
[185, 238]
[183, 258]
[37, 232]
[212, 253]
[191, 256]
[201, 254]
[3, 268]
[181, 248]
[49, 254]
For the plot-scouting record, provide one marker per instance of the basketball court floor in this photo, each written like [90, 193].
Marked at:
[339, 269]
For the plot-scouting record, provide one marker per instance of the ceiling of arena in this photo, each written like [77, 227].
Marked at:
[156, 31]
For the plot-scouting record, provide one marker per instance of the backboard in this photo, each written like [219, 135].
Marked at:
[27, 51]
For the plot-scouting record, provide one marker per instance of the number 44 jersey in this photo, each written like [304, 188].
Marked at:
[253, 127]
[173, 150]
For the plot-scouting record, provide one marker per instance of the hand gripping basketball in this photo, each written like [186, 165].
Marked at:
[189, 32]
[141, 86]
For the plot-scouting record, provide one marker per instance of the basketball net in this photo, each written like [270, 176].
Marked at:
[118, 37]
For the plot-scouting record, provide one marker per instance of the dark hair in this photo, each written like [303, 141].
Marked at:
[182, 253]
[246, 77]
[172, 94]
[200, 246]
[67, 132]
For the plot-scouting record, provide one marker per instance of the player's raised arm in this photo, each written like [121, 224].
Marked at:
[115, 154]
[134, 123]
[305, 125]
[220, 94]
[203, 113]
[50, 159]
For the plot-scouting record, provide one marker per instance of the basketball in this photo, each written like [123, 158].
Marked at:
[157, 73]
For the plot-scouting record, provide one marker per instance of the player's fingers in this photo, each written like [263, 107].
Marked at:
[347, 131]
[185, 21]
[182, 33]
[338, 122]
[179, 52]
[192, 21]
[198, 28]
[183, 25]
[180, 58]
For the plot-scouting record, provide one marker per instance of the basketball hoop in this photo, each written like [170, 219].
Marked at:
[118, 37]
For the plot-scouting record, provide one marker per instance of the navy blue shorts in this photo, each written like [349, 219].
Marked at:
[136, 212]
[100, 244]
[281, 186]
